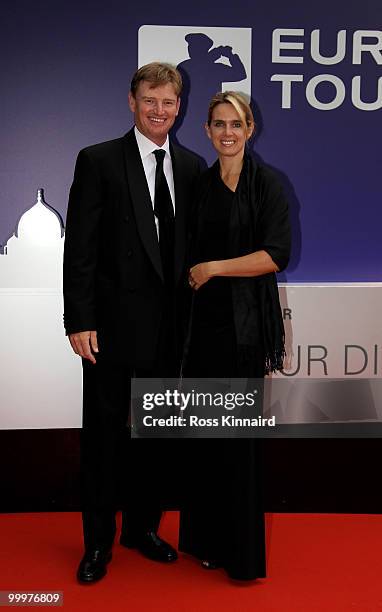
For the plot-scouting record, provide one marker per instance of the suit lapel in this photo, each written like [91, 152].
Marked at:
[140, 197]
[180, 186]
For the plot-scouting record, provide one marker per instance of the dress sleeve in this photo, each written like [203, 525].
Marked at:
[273, 229]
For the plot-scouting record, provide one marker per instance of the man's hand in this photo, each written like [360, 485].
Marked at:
[84, 344]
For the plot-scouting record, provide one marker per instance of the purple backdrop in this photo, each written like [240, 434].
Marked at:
[65, 76]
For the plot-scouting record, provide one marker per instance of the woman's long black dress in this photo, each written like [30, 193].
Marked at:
[222, 519]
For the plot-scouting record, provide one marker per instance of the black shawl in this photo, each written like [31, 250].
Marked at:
[259, 221]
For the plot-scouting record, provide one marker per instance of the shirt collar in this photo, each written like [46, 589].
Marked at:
[147, 146]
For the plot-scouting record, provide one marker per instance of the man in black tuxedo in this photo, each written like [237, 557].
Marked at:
[124, 271]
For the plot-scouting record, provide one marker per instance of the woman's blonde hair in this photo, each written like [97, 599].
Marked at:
[239, 103]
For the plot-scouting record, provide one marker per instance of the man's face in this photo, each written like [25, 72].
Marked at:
[155, 110]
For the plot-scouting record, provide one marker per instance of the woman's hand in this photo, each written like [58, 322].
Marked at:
[254, 264]
[199, 274]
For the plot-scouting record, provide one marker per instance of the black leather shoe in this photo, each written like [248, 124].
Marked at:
[152, 547]
[93, 565]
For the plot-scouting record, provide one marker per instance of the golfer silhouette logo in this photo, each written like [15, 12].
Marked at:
[203, 67]
[203, 74]
[210, 59]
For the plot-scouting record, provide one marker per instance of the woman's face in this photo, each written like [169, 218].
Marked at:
[227, 131]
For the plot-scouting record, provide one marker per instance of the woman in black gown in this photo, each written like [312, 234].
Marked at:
[241, 239]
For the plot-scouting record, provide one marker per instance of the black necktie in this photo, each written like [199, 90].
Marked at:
[164, 212]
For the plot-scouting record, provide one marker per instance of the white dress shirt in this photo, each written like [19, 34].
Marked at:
[146, 148]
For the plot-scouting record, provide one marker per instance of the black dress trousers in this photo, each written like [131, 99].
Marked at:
[118, 472]
[114, 467]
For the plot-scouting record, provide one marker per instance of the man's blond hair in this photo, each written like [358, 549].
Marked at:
[157, 73]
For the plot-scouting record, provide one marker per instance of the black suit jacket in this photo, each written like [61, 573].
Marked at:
[113, 278]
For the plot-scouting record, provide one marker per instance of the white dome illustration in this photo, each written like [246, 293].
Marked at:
[33, 255]
[40, 381]
[40, 223]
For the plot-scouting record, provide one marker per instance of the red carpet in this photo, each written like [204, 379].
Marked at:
[315, 562]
